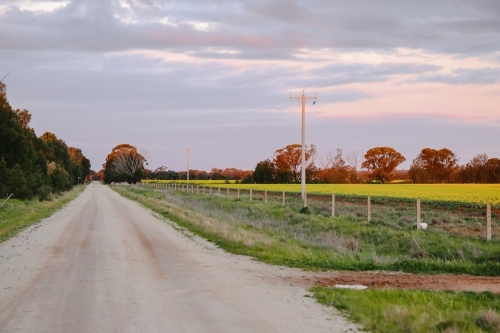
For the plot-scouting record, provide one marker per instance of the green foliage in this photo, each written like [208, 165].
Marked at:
[265, 172]
[19, 214]
[61, 180]
[413, 311]
[21, 167]
[24, 157]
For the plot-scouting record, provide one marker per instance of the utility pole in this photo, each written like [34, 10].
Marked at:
[187, 156]
[303, 100]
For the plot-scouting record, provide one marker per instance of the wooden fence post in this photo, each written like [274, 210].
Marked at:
[283, 198]
[218, 191]
[488, 222]
[418, 215]
[238, 194]
[369, 209]
[227, 193]
[333, 205]
[250, 194]
[265, 196]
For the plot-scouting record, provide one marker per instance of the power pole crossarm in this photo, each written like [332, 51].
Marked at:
[303, 100]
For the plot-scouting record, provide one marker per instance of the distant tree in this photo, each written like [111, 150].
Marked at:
[493, 170]
[56, 150]
[433, 166]
[265, 172]
[334, 169]
[353, 160]
[80, 164]
[381, 161]
[475, 171]
[288, 162]
[248, 179]
[100, 175]
[124, 163]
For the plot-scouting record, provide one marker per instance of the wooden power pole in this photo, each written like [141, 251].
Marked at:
[303, 100]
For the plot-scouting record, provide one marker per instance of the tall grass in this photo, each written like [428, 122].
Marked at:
[19, 214]
[282, 235]
[415, 311]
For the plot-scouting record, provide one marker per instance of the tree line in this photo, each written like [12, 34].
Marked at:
[377, 165]
[34, 166]
[126, 164]
[162, 173]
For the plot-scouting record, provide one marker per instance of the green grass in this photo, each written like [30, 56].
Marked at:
[17, 214]
[412, 311]
[282, 235]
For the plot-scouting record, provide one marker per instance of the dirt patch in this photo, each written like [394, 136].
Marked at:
[404, 281]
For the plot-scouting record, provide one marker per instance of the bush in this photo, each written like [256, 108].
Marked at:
[45, 193]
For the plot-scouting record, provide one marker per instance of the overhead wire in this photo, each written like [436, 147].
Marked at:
[268, 111]
[405, 66]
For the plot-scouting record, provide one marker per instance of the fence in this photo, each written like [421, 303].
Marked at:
[461, 219]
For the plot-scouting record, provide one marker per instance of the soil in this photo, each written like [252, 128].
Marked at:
[405, 281]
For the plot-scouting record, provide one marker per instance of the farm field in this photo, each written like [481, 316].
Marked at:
[467, 193]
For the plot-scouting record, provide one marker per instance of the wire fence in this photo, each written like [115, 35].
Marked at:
[461, 219]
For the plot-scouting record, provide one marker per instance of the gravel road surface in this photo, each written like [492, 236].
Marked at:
[105, 264]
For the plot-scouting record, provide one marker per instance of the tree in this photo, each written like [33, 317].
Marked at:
[493, 170]
[381, 161]
[334, 169]
[24, 168]
[80, 164]
[265, 172]
[124, 163]
[433, 166]
[288, 162]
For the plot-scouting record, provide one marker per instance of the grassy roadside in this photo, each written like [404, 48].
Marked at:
[280, 235]
[19, 214]
[284, 236]
[412, 311]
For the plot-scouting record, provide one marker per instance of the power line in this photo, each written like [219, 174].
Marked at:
[7, 74]
[405, 66]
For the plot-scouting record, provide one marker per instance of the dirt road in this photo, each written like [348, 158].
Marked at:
[105, 264]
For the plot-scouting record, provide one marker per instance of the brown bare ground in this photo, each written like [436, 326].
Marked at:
[402, 281]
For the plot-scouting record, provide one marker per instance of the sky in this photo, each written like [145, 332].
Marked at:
[216, 76]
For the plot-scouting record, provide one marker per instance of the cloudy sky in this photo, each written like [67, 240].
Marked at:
[216, 75]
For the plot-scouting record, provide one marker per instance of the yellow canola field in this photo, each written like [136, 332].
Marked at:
[470, 193]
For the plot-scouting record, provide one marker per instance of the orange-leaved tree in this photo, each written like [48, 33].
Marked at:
[433, 165]
[124, 163]
[288, 162]
[381, 161]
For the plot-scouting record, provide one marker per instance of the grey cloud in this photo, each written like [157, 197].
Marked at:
[90, 25]
[70, 72]
[463, 76]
